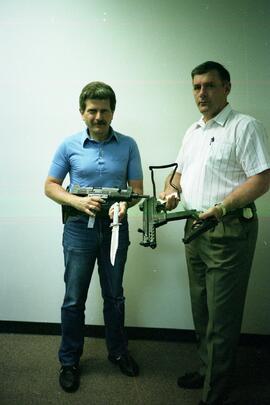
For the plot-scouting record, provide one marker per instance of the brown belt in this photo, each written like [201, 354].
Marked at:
[241, 213]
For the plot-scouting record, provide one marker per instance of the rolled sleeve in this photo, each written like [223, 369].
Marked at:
[134, 166]
[253, 149]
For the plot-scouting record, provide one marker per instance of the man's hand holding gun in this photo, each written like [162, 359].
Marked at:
[92, 204]
[171, 199]
[88, 205]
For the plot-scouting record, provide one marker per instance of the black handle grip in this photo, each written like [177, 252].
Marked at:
[199, 227]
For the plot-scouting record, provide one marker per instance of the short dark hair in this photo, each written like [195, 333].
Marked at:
[210, 65]
[97, 91]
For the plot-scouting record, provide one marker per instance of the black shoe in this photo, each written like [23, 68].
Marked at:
[191, 381]
[126, 363]
[219, 401]
[69, 378]
[216, 402]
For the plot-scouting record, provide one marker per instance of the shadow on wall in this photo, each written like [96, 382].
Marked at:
[257, 310]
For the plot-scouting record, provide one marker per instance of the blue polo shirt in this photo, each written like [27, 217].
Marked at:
[97, 164]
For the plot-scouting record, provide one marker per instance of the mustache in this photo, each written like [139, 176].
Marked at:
[100, 122]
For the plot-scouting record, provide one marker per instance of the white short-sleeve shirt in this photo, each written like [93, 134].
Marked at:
[217, 156]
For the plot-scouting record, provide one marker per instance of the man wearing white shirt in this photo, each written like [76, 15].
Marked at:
[223, 167]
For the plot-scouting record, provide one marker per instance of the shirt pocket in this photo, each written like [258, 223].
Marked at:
[221, 156]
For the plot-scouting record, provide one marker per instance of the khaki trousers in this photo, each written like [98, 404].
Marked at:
[219, 264]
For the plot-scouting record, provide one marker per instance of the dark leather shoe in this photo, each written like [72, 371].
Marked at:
[216, 402]
[220, 401]
[126, 363]
[191, 381]
[69, 378]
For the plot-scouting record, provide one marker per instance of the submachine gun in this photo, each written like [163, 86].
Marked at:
[113, 194]
[156, 215]
[109, 195]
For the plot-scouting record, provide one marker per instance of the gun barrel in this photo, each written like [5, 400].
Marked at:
[139, 196]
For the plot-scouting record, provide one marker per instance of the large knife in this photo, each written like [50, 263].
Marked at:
[115, 232]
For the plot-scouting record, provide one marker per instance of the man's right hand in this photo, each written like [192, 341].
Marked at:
[172, 200]
[55, 191]
[87, 205]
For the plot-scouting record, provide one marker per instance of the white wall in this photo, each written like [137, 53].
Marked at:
[145, 51]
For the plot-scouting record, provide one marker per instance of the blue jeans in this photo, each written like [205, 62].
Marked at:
[82, 247]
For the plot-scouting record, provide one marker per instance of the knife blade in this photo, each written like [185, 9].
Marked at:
[115, 232]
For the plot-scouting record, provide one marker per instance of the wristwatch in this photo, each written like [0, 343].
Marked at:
[223, 209]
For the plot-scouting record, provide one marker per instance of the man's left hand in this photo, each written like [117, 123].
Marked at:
[122, 210]
[215, 211]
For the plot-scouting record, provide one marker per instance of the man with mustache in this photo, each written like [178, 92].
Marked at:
[96, 157]
[223, 167]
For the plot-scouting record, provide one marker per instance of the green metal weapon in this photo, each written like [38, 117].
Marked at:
[156, 215]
